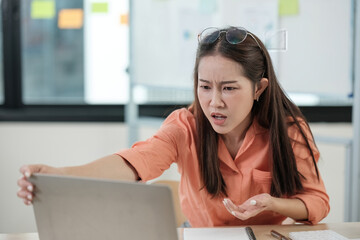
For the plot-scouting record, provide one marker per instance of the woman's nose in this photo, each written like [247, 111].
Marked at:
[216, 100]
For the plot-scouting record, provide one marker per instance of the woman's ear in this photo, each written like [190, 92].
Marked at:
[260, 87]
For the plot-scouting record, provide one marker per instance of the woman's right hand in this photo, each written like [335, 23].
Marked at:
[26, 191]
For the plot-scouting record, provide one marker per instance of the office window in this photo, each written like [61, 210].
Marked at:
[74, 51]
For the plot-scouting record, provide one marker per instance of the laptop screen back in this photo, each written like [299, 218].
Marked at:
[92, 209]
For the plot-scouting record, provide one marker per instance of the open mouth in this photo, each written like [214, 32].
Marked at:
[218, 116]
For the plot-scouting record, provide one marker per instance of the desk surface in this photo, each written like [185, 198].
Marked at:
[350, 230]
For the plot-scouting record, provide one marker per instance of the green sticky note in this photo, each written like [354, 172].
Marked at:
[99, 7]
[42, 9]
[288, 7]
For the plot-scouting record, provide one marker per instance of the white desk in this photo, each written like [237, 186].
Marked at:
[350, 230]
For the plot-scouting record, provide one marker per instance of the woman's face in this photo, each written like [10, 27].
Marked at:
[226, 96]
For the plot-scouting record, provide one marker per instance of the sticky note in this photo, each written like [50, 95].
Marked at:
[124, 19]
[42, 9]
[99, 7]
[288, 7]
[70, 18]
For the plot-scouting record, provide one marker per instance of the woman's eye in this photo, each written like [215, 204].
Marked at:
[229, 88]
[205, 87]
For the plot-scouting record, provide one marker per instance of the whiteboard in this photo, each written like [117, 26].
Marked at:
[317, 60]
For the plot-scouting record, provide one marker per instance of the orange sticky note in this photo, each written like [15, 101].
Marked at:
[71, 18]
[124, 20]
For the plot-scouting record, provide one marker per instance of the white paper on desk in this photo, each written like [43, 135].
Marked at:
[316, 234]
[216, 233]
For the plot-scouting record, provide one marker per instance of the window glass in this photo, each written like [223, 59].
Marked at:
[74, 51]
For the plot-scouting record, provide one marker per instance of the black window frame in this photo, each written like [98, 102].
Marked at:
[14, 109]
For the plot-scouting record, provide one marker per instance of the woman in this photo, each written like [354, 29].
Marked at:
[245, 152]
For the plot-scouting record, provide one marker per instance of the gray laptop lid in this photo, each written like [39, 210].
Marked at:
[92, 209]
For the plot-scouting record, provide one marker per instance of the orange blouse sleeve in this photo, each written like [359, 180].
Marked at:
[314, 194]
[152, 157]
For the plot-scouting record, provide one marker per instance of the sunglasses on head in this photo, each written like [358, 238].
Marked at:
[233, 35]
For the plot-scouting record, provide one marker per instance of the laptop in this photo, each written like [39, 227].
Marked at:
[74, 208]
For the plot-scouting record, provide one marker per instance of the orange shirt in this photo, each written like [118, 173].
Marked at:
[245, 176]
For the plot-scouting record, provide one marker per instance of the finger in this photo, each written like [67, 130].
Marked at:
[250, 204]
[232, 206]
[248, 207]
[25, 195]
[24, 184]
[28, 170]
[257, 202]
[225, 202]
[262, 200]
[246, 214]
[227, 207]
[27, 202]
[25, 170]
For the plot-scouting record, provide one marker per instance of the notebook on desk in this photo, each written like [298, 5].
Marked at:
[92, 209]
[223, 233]
[316, 235]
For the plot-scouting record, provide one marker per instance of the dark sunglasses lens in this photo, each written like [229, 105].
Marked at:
[209, 35]
[235, 36]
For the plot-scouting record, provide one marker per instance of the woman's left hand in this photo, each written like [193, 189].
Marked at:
[251, 207]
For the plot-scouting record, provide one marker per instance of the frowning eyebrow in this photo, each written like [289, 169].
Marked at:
[221, 83]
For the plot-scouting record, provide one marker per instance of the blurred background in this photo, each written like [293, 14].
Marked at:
[80, 79]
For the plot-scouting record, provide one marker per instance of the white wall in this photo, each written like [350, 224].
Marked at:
[62, 144]
[56, 144]
[332, 165]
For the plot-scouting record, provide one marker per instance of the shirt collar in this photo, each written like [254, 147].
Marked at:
[252, 131]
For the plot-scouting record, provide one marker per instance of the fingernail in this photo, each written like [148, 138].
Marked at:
[30, 188]
[233, 213]
[29, 196]
[253, 202]
[27, 174]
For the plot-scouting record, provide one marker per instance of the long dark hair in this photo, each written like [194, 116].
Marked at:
[272, 110]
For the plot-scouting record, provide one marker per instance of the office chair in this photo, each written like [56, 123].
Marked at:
[174, 186]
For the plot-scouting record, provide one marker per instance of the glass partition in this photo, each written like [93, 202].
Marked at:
[75, 51]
